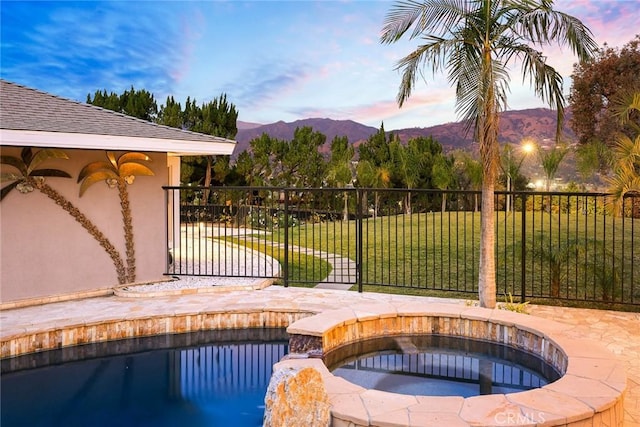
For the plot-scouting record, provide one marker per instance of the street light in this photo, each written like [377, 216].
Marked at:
[526, 146]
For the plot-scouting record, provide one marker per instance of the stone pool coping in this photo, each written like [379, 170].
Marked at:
[590, 392]
[50, 326]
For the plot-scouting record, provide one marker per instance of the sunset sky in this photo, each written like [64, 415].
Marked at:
[275, 60]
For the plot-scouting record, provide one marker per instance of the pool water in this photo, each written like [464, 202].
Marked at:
[434, 365]
[212, 378]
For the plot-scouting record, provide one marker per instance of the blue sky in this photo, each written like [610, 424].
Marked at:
[275, 60]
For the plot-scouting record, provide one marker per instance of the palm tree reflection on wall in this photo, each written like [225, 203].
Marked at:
[119, 173]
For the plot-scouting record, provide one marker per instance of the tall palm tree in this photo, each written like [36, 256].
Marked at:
[119, 172]
[476, 41]
[30, 178]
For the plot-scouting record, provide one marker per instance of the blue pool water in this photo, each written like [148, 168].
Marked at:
[213, 378]
[435, 365]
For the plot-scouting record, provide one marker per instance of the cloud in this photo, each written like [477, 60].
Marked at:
[72, 49]
[258, 86]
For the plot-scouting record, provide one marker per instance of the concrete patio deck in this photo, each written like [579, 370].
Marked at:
[618, 331]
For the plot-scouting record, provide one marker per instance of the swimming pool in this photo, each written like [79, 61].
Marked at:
[212, 378]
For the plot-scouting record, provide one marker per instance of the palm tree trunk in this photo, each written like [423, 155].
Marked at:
[128, 230]
[487, 271]
[487, 132]
[60, 200]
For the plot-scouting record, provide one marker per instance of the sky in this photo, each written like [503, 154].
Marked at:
[274, 60]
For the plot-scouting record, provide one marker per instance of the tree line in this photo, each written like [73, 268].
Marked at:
[601, 97]
[381, 161]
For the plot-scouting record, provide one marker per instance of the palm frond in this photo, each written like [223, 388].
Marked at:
[15, 162]
[8, 176]
[50, 172]
[624, 182]
[134, 169]
[95, 167]
[625, 104]
[132, 157]
[112, 158]
[27, 155]
[436, 17]
[97, 176]
[6, 190]
[627, 151]
[43, 155]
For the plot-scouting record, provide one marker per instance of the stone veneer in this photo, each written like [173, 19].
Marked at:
[69, 335]
[590, 392]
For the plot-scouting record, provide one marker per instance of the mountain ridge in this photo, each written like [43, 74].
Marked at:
[515, 125]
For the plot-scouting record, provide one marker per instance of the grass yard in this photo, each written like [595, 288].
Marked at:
[567, 257]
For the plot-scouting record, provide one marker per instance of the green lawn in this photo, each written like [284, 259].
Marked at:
[572, 256]
[573, 253]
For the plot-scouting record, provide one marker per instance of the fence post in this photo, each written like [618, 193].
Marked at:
[285, 268]
[359, 239]
[523, 249]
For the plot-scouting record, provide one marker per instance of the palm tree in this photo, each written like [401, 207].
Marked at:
[442, 177]
[371, 176]
[339, 169]
[626, 177]
[30, 178]
[550, 161]
[476, 41]
[119, 172]
[409, 162]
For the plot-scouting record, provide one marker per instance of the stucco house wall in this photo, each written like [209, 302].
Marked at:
[45, 252]
[45, 255]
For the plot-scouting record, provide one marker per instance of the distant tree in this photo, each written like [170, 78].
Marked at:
[468, 172]
[170, 114]
[247, 168]
[427, 149]
[371, 176]
[550, 160]
[302, 165]
[442, 176]
[217, 117]
[596, 84]
[261, 165]
[139, 103]
[410, 162]
[340, 168]
[376, 148]
[135, 103]
[593, 157]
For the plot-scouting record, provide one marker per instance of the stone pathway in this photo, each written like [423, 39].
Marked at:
[618, 331]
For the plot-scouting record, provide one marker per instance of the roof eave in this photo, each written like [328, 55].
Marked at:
[173, 147]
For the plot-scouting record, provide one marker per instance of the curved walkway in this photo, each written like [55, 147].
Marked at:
[618, 331]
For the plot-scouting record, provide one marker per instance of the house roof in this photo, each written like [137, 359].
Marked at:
[29, 117]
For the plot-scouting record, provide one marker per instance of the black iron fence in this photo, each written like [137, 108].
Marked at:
[561, 246]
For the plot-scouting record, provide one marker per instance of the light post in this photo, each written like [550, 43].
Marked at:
[527, 146]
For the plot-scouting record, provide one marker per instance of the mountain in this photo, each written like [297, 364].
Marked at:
[356, 132]
[247, 125]
[515, 125]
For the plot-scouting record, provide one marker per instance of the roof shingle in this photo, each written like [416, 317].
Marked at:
[23, 108]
